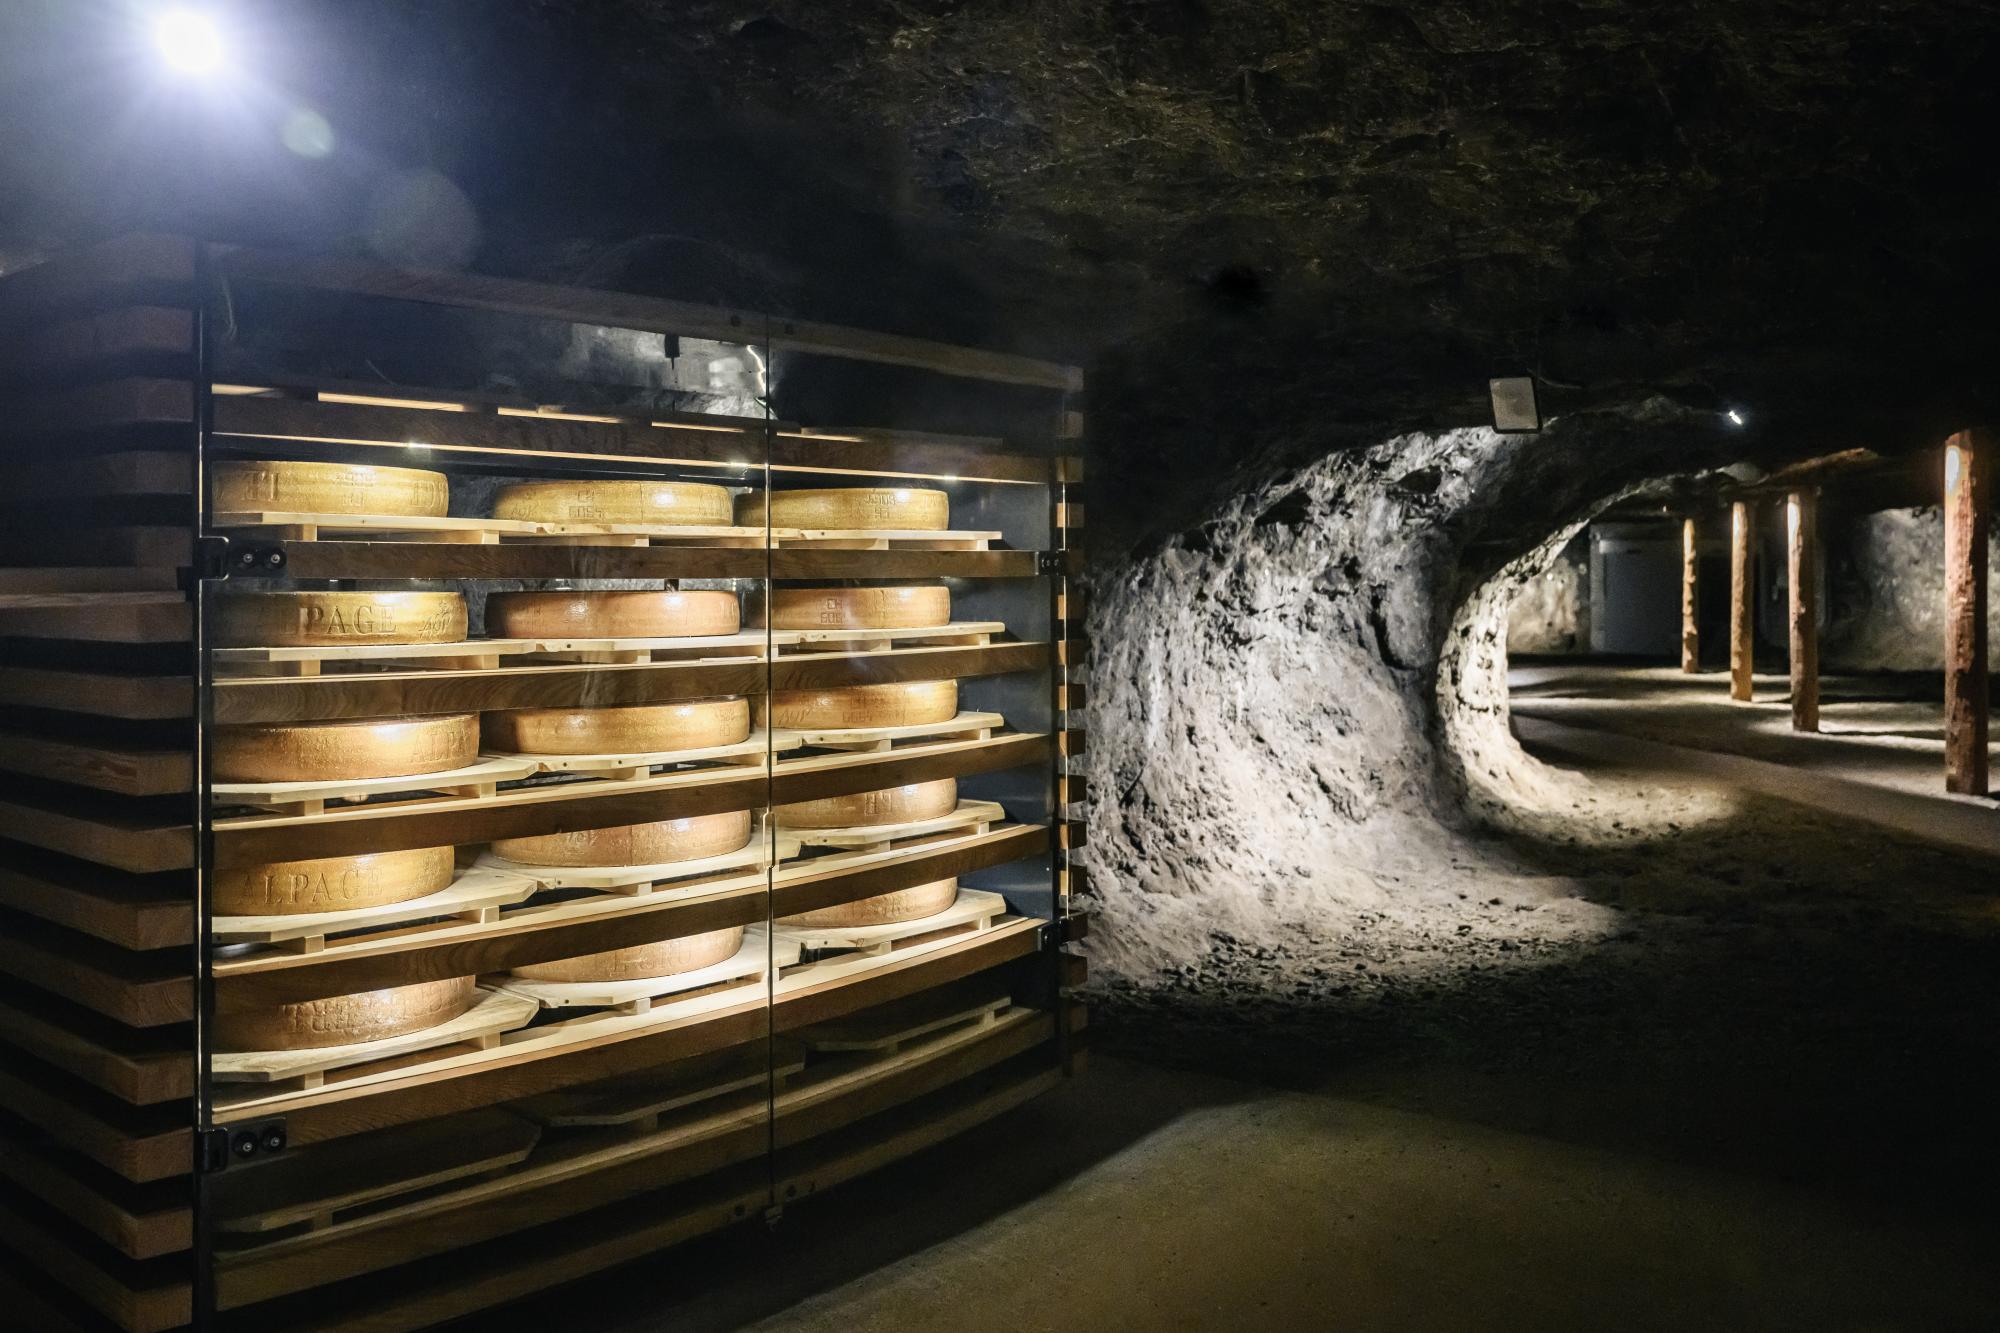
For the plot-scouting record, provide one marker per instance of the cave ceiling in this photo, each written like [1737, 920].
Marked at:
[1366, 208]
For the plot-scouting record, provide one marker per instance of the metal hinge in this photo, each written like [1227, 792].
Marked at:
[217, 558]
[1049, 563]
[217, 1147]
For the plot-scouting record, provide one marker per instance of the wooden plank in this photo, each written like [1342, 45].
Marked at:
[1690, 598]
[30, 1299]
[806, 562]
[139, 1067]
[448, 560]
[150, 546]
[139, 1145]
[137, 472]
[142, 990]
[802, 1000]
[843, 774]
[97, 617]
[139, 1221]
[944, 663]
[1742, 599]
[112, 405]
[808, 886]
[587, 305]
[108, 838]
[1968, 505]
[140, 1296]
[1802, 559]
[143, 266]
[125, 770]
[84, 578]
[1074, 742]
[99, 693]
[132, 913]
[123, 334]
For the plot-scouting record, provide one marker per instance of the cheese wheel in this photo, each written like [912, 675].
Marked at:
[390, 747]
[611, 615]
[657, 503]
[329, 488]
[866, 508]
[333, 619]
[665, 958]
[658, 843]
[866, 809]
[901, 703]
[860, 608]
[911, 904]
[626, 729]
[342, 1019]
[332, 883]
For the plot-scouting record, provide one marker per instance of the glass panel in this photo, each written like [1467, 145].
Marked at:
[488, 882]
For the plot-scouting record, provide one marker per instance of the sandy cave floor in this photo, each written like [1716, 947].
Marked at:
[1673, 1058]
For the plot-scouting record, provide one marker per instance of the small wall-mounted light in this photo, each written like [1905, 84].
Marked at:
[1515, 410]
[189, 41]
[1735, 416]
[1954, 467]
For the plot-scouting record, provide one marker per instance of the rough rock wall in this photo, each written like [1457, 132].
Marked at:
[1294, 701]
[1550, 612]
[1886, 594]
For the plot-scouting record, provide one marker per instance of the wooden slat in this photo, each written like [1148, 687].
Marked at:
[139, 266]
[1073, 651]
[84, 578]
[112, 405]
[105, 838]
[804, 889]
[804, 562]
[125, 770]
[585, 305]
[150, 546]
[138, 472]
[139, 1067]
[843, 774]
[143, 990]
[139, 1221]
[139, 1145]
[148, 1296]
[447, 560]
[97, 617]
[1073, 742]
[108, 336]
[1072, 835]
[127, 911]
[100, 693]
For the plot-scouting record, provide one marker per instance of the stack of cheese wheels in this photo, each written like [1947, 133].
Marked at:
[870, 809]
[884, 909]
[342, 1020]
[332, 883]
[621, 729]
[349, 489]
[661, 842]
[612, 615]
[848, 509]
[679, 504]
[665, 958]
[390, 747]
[911, 607]
[335, 619]
[903, 703]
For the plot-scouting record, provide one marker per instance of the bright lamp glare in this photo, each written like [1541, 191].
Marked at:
[1735, 417]
[189, 42]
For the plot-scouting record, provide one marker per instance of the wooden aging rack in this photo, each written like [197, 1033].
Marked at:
[544, 1146]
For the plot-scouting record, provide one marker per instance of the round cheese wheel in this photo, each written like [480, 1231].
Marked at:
[658, 843]
[872, 508]
[866, 809]
[611, 615]
[332, 883]
[625, 729]
[332, 619]
[329, 488]
[669, 503]
[901, 703]
[340, 1020]
[665, 958]
[860, 608]
[911, 904]
[390, 747]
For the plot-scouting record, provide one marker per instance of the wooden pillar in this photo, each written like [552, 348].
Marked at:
[1742, 598]
[1967, 510]
[1690, 599]
[1802, 554]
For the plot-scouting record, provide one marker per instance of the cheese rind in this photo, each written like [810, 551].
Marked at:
[332, 883]
[334, 619]
[850, 508]
[653, 503]
[664, 958]
[913, 607]
[621, 729]
[658, 843]
[867, 809]
[902, 703]
[351, 489]
[612, 614]
[389, 747]
[884, 909]
[339, 1020]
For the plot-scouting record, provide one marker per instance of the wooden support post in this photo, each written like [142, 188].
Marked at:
[1967, 510]
[1742, 597]
[1802, 555]
[1690, 599]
